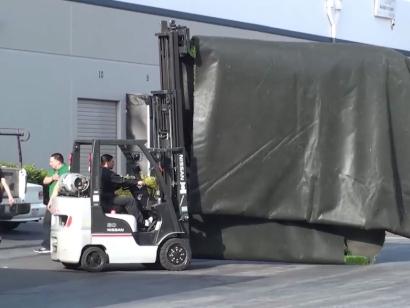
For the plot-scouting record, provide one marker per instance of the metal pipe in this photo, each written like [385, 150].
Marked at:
[329, 6]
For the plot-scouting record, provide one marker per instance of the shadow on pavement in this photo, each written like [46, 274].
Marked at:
[24, 232]
[101, 289]
[196, 265]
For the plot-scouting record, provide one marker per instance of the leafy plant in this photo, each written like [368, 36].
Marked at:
[34, 175]
[192, 48]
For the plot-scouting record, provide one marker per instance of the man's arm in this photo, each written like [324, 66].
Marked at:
[55, 176]
[7, 189]
[124, 182]
[48, 179]
[53, 194]
[118, 180]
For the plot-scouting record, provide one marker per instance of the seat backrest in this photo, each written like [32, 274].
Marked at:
[107, 207]
[130, 219]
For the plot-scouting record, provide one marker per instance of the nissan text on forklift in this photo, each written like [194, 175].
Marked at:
[83, 235]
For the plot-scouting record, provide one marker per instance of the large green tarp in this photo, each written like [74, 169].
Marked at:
[297, 147]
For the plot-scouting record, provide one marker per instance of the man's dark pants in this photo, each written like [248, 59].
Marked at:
[121, 203]
[130, 205]
[47, 230]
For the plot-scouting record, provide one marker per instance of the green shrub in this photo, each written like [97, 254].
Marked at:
[34, 175]
[192, 48]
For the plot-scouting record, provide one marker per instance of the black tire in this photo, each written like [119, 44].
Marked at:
[6, 226]
[175, 254]
[94, 259]
[71, 266]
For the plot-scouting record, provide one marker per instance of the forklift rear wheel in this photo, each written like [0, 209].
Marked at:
[71, 266]
[94, 259]
[175, 254]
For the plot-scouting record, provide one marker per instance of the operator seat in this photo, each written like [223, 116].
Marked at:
[121, 213]
[107, 208]
[144, 204]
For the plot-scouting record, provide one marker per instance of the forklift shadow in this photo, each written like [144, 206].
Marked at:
[195, 266]
[48, 288]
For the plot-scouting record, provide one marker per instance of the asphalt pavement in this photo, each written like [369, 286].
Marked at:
[30, 280]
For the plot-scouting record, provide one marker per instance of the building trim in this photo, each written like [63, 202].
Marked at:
[216, 21]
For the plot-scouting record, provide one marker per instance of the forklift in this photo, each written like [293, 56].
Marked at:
[85, 235]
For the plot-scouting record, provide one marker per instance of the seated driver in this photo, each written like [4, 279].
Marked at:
[110, 182]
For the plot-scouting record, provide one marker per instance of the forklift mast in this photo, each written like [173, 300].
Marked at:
[167, 107]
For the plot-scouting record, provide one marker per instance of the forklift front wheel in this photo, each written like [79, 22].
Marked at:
[175, 254]
[94, 259]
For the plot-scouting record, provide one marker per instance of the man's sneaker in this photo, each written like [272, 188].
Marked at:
[42, 250]
[148, 221]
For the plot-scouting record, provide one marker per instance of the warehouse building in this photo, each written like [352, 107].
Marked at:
[66, 66]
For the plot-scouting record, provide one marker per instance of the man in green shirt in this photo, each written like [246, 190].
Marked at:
[58, 168]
